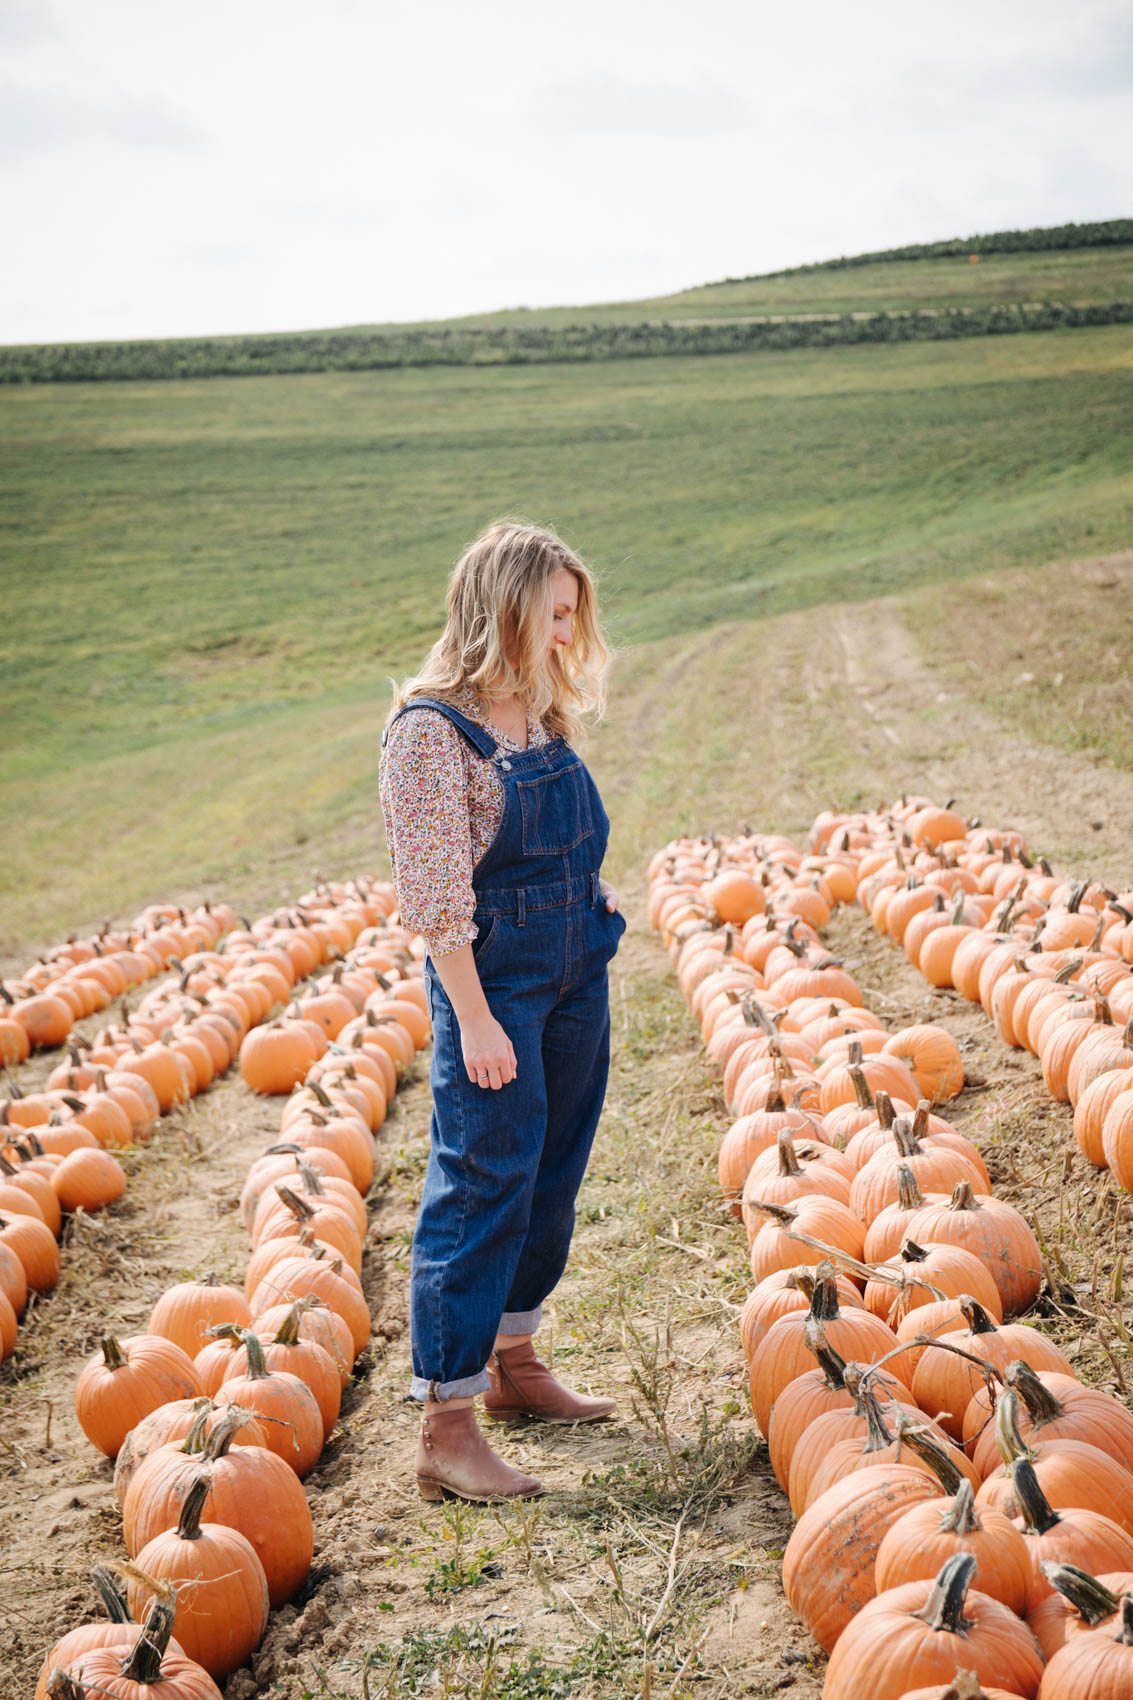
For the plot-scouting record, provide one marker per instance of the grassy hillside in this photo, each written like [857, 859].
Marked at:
[208, 585]
[1080, 275]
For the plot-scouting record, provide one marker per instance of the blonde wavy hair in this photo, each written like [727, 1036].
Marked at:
[495, 639]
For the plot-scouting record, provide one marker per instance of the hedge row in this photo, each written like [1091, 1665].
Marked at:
[1113, 232]
[521, 345]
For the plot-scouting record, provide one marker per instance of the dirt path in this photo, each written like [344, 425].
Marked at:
[920, 733]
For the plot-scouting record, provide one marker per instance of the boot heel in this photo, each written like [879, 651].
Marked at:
[430, 1489]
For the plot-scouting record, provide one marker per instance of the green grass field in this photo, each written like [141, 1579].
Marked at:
[208, 584]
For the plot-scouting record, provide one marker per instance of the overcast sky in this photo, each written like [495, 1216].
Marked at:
[233, 165]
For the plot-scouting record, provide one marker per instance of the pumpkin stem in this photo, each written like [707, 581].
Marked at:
[1124, 1635]
[854, 1053]
[929, 1451]
[194, 1441]
[830, 1362]
[963, 1198]
[788, 1156]
[878, 1435]
[299, 1208]
[111, 1595]
[824, 1301]
[1091, 1599]
[911, 1252]
[144, 1662]
[1068, 970]
[862, 1093]
[883, 1104]
[60, 1686]
[977, 1318]
[777, 1212]
[287, 1334]
[1038, 1514]
[189, 1523]
[905, 1134]
[223, 1331]
[113, 1355]
[312, 1179]
[962, 1518]
[224, 1432]
[965, 1685]
[944, 1608]
[326, 1101]
[257, 1368]
[1007, 1437]
[1040, 1402]
[909, 1194]
[920, 1118]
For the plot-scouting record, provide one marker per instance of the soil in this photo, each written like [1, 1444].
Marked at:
[534, 1589]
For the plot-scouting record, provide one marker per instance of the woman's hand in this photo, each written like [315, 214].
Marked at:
[488, 1053]
[609, 895]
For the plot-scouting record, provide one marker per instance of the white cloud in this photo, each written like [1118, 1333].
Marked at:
[36, 120]
[267, 164]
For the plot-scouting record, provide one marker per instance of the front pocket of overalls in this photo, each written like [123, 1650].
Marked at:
[485, 939]
[554, 811]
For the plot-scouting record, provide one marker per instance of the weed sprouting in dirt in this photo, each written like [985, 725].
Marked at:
[476, 1661]
[459, 1563]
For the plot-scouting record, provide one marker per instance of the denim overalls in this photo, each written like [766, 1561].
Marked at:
[497, 1208]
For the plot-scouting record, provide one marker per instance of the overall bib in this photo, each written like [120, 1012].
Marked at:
[497, 1207]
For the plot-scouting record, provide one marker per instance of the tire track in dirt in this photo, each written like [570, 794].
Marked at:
[920, 734]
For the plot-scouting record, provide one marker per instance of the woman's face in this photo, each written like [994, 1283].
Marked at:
[564, 602]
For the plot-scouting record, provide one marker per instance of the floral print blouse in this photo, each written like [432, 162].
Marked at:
[442, 804]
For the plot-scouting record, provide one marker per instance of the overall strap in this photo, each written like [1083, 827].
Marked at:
[482, 742]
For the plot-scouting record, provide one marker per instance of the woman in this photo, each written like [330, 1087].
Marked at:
[497, 833]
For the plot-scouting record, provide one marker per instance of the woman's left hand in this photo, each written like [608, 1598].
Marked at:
[609, 895]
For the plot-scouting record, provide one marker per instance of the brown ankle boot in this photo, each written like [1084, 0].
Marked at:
[454, 1459]
[523, 1387]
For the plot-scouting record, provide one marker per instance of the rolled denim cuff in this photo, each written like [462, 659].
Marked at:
[520, 1321]
[442, 1390]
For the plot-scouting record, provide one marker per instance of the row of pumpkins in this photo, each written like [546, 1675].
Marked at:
[216, 1413]
[57, 1144]
[82, 976]
[964, 1504]
[1048, 959]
